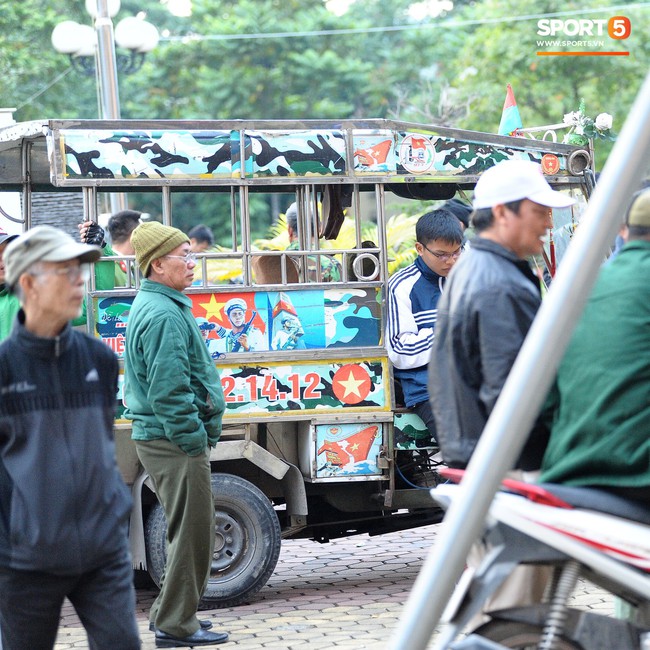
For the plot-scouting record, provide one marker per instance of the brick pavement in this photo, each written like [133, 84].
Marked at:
[347, 594]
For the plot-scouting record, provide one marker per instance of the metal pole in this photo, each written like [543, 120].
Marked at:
[529, 380]
[107, 63]
[107, 79]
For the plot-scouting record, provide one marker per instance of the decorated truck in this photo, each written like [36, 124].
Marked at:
[314, 444]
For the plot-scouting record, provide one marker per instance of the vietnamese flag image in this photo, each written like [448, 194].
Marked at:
[374, 155]
[353, 449]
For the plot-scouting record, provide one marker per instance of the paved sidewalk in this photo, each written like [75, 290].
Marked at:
[347, 594]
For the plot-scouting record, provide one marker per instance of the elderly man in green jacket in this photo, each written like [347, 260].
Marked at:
[173, 395]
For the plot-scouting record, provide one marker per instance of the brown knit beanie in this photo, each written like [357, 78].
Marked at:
[152, 240]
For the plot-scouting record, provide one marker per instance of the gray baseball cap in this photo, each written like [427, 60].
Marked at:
[44, 244]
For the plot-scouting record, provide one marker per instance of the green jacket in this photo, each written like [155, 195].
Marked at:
[9, 306]
[106, 278]
[171, 386]
[600, 433]
[117, 268]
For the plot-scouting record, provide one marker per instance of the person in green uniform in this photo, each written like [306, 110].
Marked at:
[110, 274]
[9, 303]
[600, 402]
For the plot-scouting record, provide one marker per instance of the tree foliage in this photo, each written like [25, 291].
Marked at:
[294, 59]
[546, 87]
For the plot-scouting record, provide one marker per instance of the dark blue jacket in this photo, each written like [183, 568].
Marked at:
[63, 505]
[413, 295]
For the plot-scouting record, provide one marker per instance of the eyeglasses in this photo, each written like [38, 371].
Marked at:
[73, 273]
[189, 258]
[445, 257]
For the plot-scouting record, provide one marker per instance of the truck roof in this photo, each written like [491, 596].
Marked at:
[414, 160]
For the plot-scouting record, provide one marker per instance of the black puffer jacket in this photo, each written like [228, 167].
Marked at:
[63, 505]
[490, 300]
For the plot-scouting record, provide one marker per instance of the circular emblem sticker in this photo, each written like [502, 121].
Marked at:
[550, 163]
[416, 154]
[351, 384]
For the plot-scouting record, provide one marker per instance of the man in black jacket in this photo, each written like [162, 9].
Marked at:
[490, 300]
[63, 506]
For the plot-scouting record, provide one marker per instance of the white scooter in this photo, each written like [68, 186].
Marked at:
[581, 532]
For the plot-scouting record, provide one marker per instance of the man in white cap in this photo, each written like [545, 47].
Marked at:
[63, 505]
[489, 303]
[173, 394]
[9, 303]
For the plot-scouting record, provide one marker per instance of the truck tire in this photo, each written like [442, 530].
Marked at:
[247, 542]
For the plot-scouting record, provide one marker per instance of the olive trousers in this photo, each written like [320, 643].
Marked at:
[184, 490]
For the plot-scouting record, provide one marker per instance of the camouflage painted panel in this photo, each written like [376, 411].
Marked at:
[148, 154]
[443, 157]
[289, 320]
[436, 156]
[352, 317]
[297, 153]
[299, 388]
[196, 155]
[210, 155]
[410, 431]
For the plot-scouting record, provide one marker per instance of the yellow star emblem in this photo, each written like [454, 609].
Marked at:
[213, 308]
[351, 385]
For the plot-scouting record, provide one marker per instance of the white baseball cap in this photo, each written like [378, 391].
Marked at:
[514, 180]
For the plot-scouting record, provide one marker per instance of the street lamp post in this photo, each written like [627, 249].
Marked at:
[92, 51]
[106, 62]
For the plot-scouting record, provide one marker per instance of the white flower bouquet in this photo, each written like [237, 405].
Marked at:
[584, 128]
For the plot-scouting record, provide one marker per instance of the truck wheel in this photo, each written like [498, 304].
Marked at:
[247, 542]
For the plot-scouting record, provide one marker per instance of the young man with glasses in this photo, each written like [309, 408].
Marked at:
[413, 295]
[172, 392]
[63, 504]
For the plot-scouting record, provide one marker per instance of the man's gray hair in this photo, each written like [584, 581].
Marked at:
[35, 269]
[292, 216]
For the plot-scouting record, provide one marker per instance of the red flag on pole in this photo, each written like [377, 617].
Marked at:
[510, 118]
